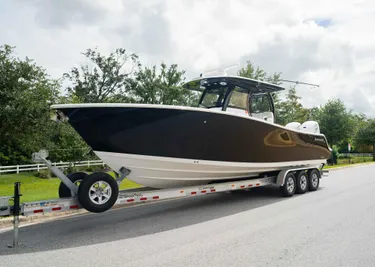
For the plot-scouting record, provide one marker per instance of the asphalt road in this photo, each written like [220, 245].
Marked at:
[333, 226]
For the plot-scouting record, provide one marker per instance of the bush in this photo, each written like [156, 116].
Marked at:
[102, 169]
[333, 159]
[73, 169]
[352, 160]
[70, 170]
[43, 174]
[345, 156]
[89, 169]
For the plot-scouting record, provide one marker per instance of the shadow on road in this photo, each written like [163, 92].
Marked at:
[136, 221]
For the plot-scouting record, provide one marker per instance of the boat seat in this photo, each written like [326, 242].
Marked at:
[267, 116]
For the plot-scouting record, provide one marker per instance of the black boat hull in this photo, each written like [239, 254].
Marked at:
[144, 137]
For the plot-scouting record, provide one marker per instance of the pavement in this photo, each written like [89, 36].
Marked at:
[333, 226]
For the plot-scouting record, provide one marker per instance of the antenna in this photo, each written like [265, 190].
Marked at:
[298, 82]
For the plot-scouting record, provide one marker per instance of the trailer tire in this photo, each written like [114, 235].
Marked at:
[98, 192]
[302, 182]
[76, 178]
[289, 187]
[314, 177]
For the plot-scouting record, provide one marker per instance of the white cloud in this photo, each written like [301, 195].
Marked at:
[279, 36]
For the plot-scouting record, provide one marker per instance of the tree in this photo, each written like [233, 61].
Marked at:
[366, 135]
[358, 121]
[107, 79]
[252, 72]
[66, 144]
[313, 113]
[335, 122]
[291, 109]
[163, 86]
[25, 95]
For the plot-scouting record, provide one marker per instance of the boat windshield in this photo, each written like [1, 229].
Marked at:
[239, 98]
[260, 103]
[213, 97]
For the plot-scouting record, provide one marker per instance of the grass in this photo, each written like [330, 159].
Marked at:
[335, 166]
[345, 162]
[34, 188]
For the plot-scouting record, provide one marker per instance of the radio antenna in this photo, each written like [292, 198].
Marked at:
[298, 82]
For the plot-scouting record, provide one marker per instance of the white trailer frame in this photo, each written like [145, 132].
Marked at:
[127, 197]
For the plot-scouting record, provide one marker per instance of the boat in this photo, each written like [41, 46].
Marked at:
[230, 135]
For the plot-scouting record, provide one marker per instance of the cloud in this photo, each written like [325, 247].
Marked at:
[325, 43]
[64, 14]
[144, 29]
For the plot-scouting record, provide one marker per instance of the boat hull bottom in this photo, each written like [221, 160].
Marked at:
[164, 172]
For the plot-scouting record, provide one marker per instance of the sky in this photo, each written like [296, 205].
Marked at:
[329, 43]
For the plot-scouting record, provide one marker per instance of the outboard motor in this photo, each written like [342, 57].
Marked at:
[310, 126]
[293, 125]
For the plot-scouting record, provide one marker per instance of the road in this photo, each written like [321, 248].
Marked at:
[333, 226]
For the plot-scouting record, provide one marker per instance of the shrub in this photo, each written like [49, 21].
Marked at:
[89, 169]
[102, 169]
[43, 174]
[70, 170]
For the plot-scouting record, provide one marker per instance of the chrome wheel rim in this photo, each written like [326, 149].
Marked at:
[303, 182]
[314, 180]
[100, 192]
[290, 185]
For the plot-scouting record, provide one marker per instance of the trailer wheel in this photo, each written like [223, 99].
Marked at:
[314, 177]
[98, 192]
[76, 178]
[302, 182]
[289, 187]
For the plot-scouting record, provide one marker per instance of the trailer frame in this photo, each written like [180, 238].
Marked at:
[140, 195]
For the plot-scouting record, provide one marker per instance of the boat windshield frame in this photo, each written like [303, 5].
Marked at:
[224, 88]
[222, 94]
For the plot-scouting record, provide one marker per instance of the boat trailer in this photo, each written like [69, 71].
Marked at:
[290, 181]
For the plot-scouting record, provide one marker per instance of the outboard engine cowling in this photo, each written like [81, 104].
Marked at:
[293, 125]
[310, 126]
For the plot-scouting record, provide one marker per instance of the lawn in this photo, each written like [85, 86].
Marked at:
[346, 164]
[342, 162]
[34, 188]
[335, 166]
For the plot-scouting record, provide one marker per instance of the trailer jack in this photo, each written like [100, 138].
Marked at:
[16, 215]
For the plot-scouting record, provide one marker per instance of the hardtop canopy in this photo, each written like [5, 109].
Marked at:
[255, 86]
